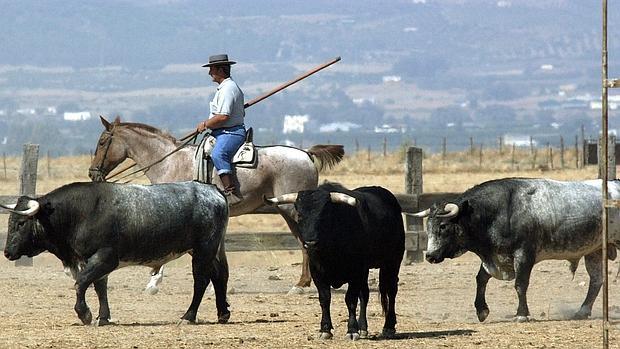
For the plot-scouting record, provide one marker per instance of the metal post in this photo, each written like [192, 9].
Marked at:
[605, 132]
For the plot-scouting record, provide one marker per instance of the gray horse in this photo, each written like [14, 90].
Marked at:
[280, 170]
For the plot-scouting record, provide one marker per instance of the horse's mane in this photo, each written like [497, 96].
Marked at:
[149, 129]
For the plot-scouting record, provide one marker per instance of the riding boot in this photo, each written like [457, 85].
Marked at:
[230, 190]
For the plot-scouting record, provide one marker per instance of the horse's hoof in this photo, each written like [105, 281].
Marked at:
[183, 322]
[388, 332]
[521, 319]
[223, 318]
[152, 290]
[353, 336]
[482, 315]
[326, 335]
[363, 334]
[295, 290]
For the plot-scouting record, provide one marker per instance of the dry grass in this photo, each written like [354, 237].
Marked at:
[456, 172]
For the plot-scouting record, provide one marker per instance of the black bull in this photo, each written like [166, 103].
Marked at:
[346, 232]
[514, 223]
[95, 228]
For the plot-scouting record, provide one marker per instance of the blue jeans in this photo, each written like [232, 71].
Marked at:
[228, 141]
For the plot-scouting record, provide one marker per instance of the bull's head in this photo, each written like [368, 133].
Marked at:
[445, 234]
[110, 152]
[312, 207]
[22, 226]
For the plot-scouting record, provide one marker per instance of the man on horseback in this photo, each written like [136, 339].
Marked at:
[225, 121]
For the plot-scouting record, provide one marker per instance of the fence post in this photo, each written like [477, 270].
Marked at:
[413, 185]
[561, 152]
[576, 151]
[28, 184]
[4, 163]
[384, 146]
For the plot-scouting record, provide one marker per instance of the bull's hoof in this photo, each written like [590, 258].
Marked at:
[363, 334]
[482, 314]
[103, 322]
[353, 336]
[223, 318]
[521, 319]
[183, 322]
[295, 290]
[388, 333]
[86, 317]
[326, 335]
[581, 315]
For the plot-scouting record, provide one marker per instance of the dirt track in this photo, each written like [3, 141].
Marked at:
[434, 307]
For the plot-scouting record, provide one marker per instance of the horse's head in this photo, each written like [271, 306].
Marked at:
[110, 152]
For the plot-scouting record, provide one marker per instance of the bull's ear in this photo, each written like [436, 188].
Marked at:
[117, 120]
[105, 123]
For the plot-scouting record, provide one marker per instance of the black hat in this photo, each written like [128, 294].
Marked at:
[221, 59]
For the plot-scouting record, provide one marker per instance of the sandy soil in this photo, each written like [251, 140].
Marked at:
[434, 307]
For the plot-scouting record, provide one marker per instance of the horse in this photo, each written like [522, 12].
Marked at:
[279, 170]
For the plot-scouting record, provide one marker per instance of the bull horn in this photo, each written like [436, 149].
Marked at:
[422, 214]
[451, 211]
[33, 208]
[282, 199]
[343, 198]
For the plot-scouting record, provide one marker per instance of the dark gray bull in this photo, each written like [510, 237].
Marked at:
[95, 228]
[346, 232]
[514, 223]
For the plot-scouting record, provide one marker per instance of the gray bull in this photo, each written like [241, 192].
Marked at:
[95, 228]
[514, 223]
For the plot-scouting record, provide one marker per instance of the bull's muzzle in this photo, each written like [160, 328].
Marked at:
[433, 259]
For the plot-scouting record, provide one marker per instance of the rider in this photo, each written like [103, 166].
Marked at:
[226, 121]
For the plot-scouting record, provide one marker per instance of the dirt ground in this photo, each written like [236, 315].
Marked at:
[434, 307]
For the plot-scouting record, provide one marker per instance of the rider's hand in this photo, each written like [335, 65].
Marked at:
[201, 126]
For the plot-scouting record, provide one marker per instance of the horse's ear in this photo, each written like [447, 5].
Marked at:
[117, 120]
[105, 123]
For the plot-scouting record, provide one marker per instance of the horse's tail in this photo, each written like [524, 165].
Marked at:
[328, 155]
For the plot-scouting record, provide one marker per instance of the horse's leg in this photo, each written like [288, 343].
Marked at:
[157, 274]
[304, 279]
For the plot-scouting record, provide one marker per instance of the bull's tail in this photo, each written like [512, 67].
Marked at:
[326, 155]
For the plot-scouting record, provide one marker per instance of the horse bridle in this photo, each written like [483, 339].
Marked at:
[99, 168]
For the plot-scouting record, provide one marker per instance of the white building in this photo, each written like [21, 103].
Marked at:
[77, 116]
[294, 123]
[338, 126]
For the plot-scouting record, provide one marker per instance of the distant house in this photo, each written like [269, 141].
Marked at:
[294, 123]
[338, 127]
[518, 140]
[385, 128]
[76, 116]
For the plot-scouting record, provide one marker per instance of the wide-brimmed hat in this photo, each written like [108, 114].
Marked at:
[221, 59]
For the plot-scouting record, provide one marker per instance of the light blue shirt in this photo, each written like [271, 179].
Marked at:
[228, 100]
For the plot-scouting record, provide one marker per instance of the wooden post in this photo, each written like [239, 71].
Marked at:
[357, 146]
[413, 185]
[576, 151]
[611, 160]
[4, 163]
[369, 153]
[471, 146]
[28, 186]
[500, 144]
[561, 152]
[444, 150]
[384, 146]
[583, 152]
[513, 156]
[480, 157]
[49, 169]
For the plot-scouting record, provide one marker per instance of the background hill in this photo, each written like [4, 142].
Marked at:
[427, 69]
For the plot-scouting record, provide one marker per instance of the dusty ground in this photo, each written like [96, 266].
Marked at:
[434, 307]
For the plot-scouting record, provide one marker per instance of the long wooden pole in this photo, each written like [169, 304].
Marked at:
[278, 89]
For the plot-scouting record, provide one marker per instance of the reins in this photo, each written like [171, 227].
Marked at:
[147, 167]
